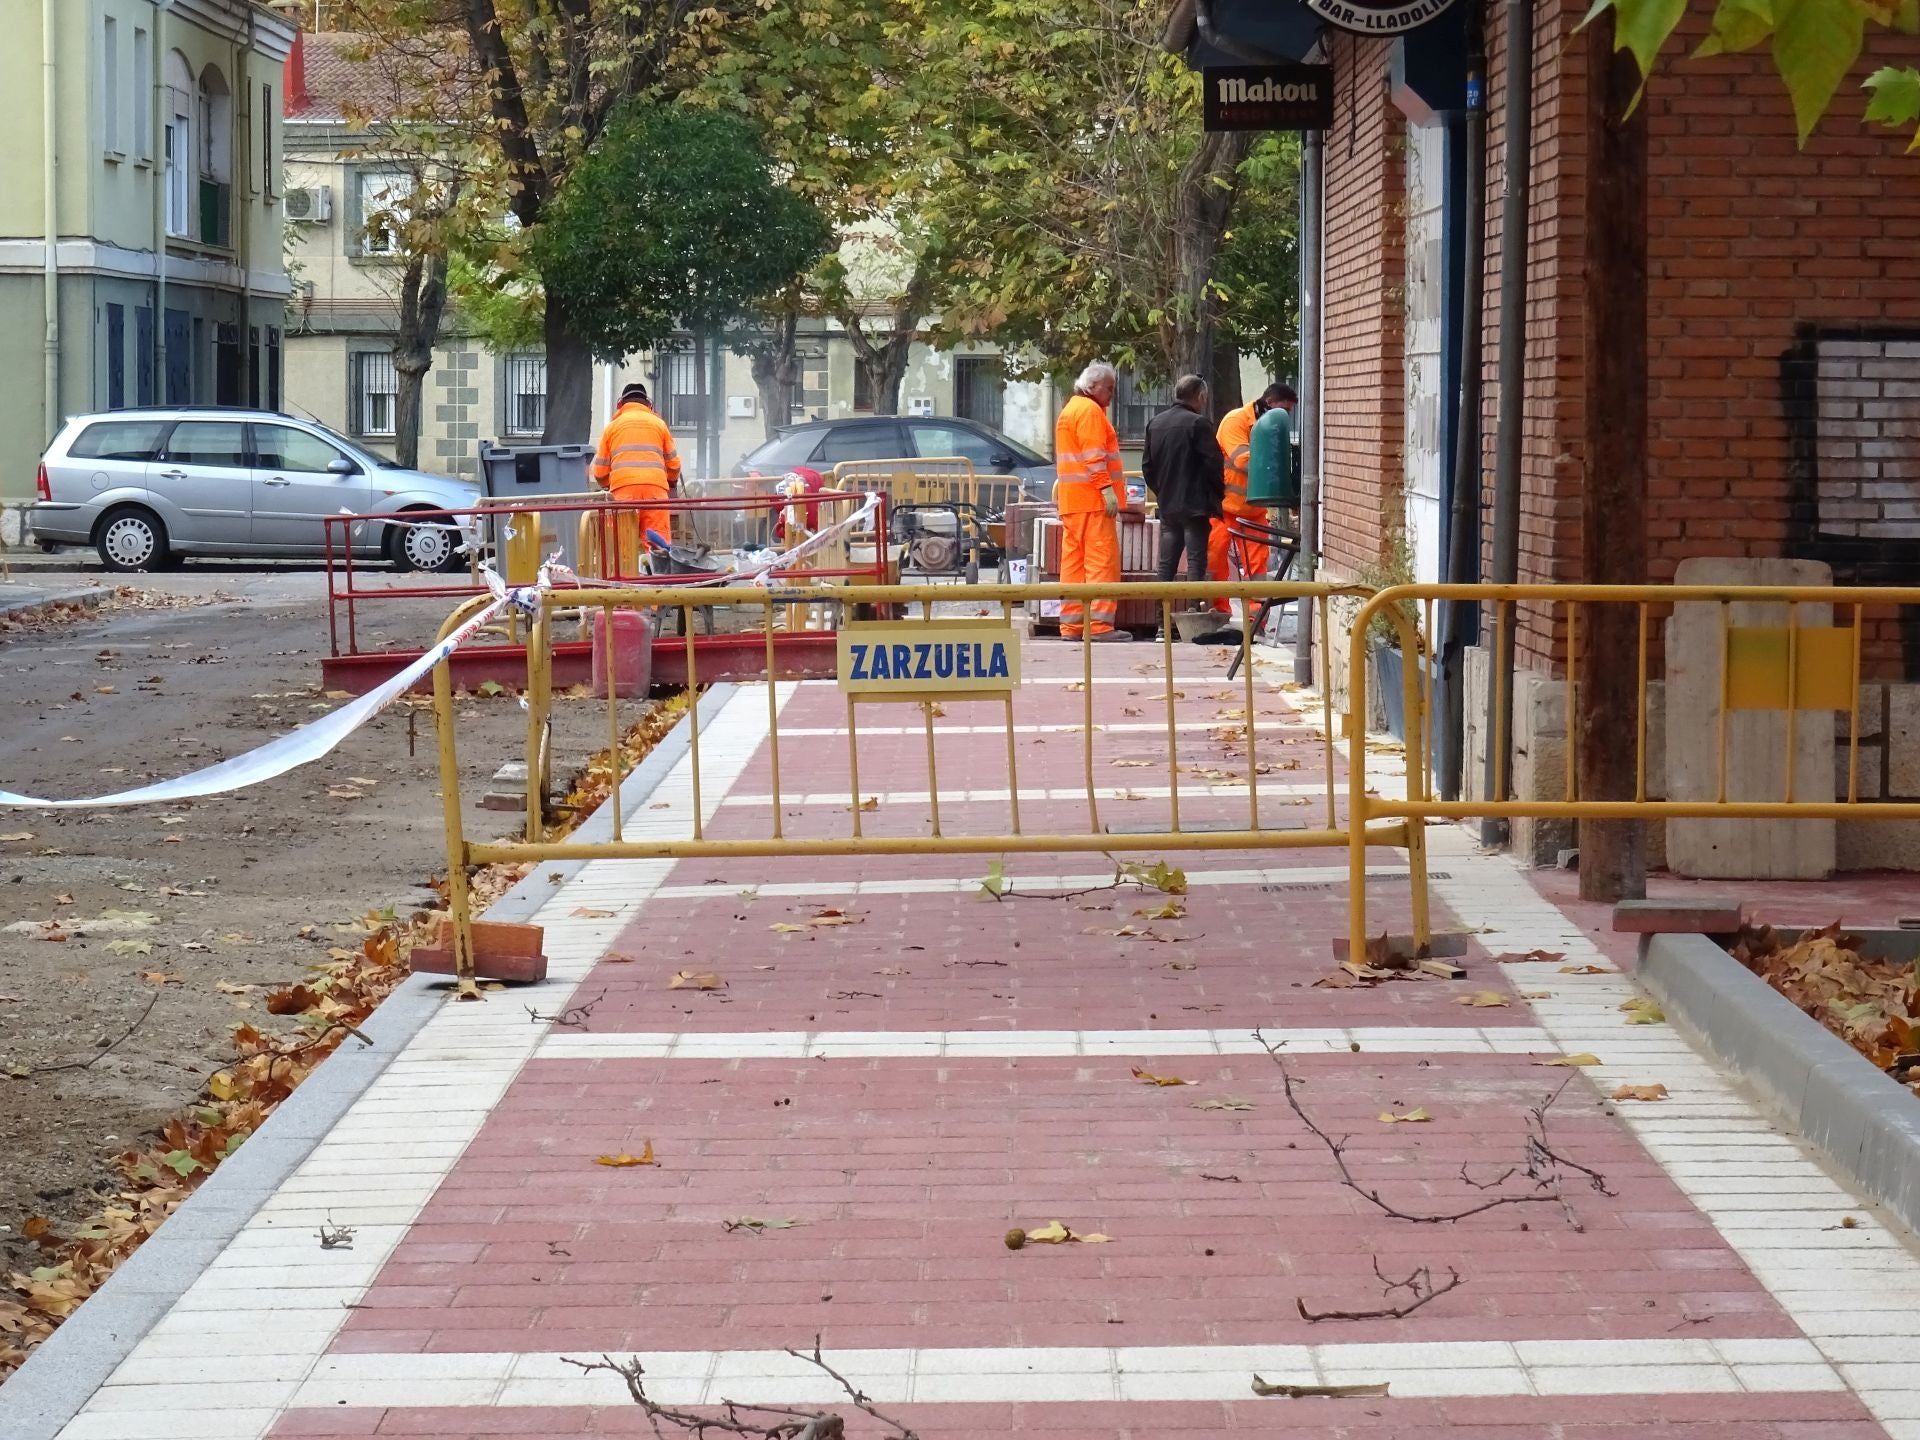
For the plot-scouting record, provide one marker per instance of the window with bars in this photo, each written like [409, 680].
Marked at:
[811, 398]
[376, 393]
[526, 396]
[678, 389]
[980, 389]
[1135, 404]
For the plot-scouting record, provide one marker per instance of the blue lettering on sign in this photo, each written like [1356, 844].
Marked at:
[859, 662]
[879, 670]
[963, 670]
[921, 672]
[943, 661]
[903, 662]
[998, 670]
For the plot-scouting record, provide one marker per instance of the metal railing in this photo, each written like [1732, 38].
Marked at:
[1768, 660]
[1180, 830]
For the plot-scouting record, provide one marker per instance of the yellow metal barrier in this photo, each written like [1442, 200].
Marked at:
[1790, 668]
[917, 603]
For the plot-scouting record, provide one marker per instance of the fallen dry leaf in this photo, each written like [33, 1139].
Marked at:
[1484, 1000]
[1147, 1077]
[1536, 994]
[1412, 1117]
[1640, 1092]
[829, 918]
[1642, 1011]
[1131, 764]
[893, 970]
[1054, 1233]
[130, 947]
[586, 912]
[627, 1162]
[872, 802]
[63, 899]
[1586, 970]
[1222, 1105]
[345, 792]
[1540, 956]
[781, 927]
[16, 837]
[1172, 910]
[755, 1223]
[1583, 1058]
[689, 980]
[228, 987]
[160, 977]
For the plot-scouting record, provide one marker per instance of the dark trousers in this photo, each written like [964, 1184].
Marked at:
[1183, 532]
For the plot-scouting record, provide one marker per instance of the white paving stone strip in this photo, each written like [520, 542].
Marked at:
[1044, 1374]
[1854, 1291]
[1010, 1044]
[276, 1299]
[1124, 727]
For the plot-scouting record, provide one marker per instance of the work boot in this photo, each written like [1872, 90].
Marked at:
[1111, 636]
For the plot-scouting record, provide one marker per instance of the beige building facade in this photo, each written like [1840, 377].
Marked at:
[140, 238]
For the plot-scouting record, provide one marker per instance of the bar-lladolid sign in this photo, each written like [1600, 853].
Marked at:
[920, 659]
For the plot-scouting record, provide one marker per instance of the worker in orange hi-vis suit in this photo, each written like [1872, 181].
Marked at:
[1236, 442]
[638, 464]
[1089, 490]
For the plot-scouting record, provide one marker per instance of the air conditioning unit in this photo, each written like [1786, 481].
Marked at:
[740, 407]
[310, 205]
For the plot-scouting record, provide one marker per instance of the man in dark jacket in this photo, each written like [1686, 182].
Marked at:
[1186, 472]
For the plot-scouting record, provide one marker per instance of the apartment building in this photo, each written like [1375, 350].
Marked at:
[140, 252]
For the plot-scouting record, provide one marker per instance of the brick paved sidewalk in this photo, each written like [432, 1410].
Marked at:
[908, 1087]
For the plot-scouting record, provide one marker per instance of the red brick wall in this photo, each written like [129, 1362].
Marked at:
[1363, 318]
[1550, 464]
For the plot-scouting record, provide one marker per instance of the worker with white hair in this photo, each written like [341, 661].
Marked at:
[1089, 491]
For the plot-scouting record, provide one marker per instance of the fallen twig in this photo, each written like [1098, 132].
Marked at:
[1309, 1392]
[1541, 1165]
[764, 1422]
[335, 1237]
[1420, 1283]
[98, 1055]
[574, 1017]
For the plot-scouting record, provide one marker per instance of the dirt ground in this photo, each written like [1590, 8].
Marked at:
[169, 904]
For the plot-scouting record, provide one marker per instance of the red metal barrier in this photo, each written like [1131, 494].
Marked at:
[799, 654]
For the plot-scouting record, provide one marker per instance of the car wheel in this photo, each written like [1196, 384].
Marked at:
[429, 545]
[130, 540]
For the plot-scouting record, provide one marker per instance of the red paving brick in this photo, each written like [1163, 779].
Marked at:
[906, 1173]
[1695, 1417]
[1240, 956]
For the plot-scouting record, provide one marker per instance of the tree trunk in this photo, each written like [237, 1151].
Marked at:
[423, 302]
[569, 382]
[1204, 206]
[884, 362]
[1613, 533]
[1223, 379]
[776, 372]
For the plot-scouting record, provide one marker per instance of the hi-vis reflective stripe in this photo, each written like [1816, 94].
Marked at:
[1239, 456]
[654, 450]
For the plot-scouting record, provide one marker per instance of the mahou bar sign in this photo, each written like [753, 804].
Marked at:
[1268, 97]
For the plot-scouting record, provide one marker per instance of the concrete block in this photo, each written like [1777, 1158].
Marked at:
[1447, 944]
[1677, 917]
[1872, 701]
[1869, 844]
[1870, 765]
[1903, 741]
[1757, 757]
[502, 950]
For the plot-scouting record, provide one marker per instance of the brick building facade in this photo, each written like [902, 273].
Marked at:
[1784, 329]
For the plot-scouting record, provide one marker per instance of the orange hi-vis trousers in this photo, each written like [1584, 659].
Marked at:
[631, 527]
[1089, 555]
[1251, 556]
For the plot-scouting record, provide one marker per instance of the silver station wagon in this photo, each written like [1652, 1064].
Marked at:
[144, 487]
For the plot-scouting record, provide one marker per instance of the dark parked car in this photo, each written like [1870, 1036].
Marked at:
[823, 444]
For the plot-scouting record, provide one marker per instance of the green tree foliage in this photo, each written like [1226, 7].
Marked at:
[674, 220]
[1814, 45]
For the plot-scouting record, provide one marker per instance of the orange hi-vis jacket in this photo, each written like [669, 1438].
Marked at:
[1236, 443]
[1086, 457]
[636, 459]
